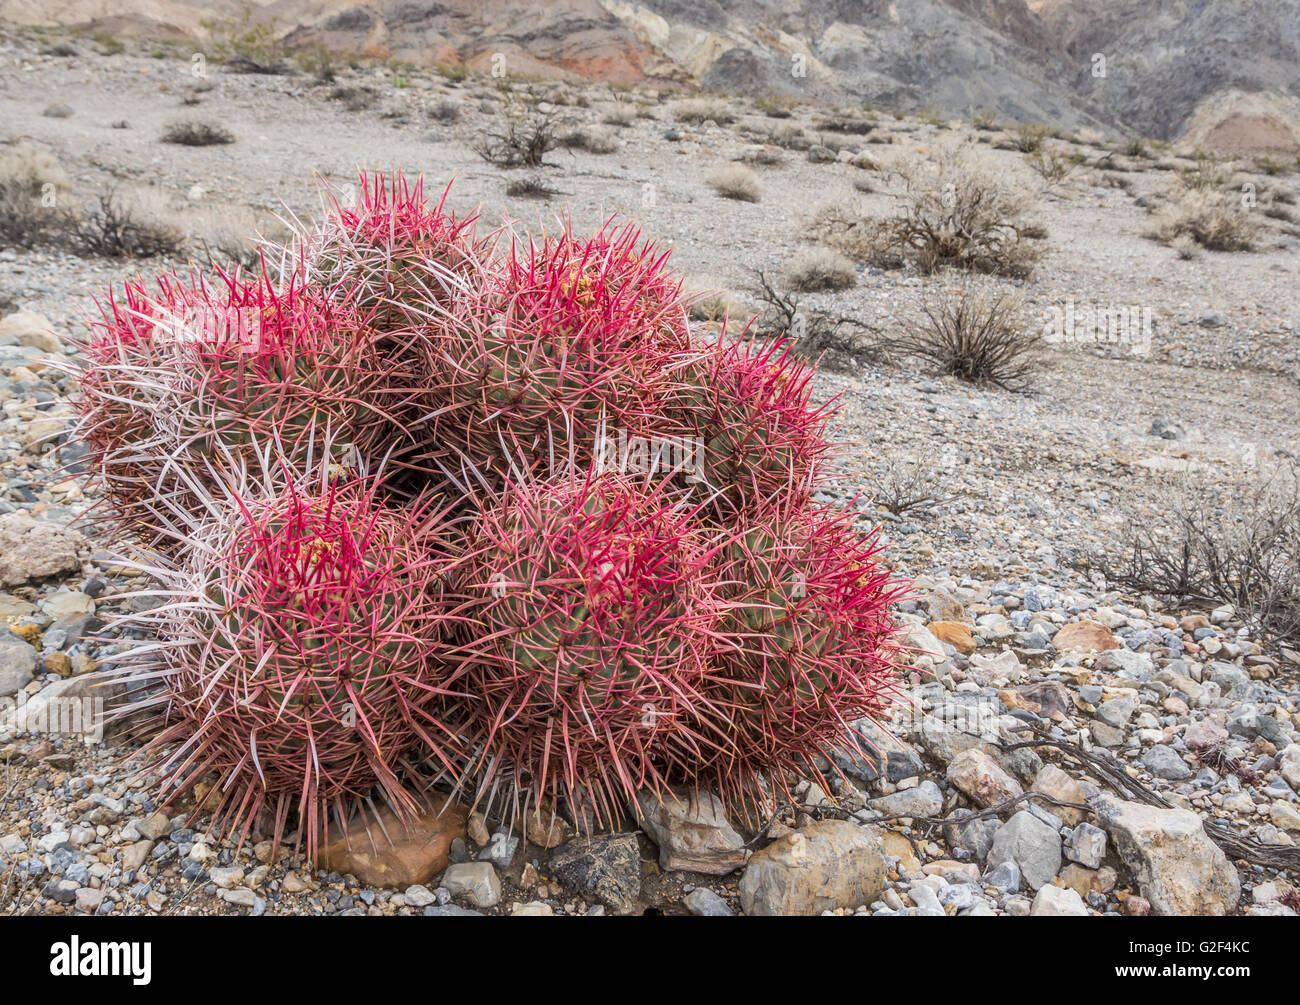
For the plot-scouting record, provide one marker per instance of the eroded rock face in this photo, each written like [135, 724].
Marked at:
[692, 832]
[397, 854]
[1177, 867]
[828, 864]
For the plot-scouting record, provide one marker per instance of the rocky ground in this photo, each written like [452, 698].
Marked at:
[1011, 630]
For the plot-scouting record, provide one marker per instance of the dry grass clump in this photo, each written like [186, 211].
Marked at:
[590, 139]
[445, 110]
[1238, 545]
[956, 212]
[735, 181]
[789, 135]
[619, 113]
[1213, 220]
[710, 300]
[814, 270]
[197, 133]
[529, 188]
[975, 332]
[697, 111]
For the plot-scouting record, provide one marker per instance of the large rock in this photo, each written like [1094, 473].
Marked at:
[692, 832]
[827, 865]
[606, 868]
[980, 777]
[31, 329]
[17, 664]
[34, 549]
[1177, 867]
[390, 853]
[1084, 637]
[1032, 844]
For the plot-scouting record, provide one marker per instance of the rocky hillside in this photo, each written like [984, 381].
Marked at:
[1165, 64]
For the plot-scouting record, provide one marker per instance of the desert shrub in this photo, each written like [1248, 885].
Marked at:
[975, 332]
[1271, 166]
[1238, 544]
[111, 228]
[1029, 137]
[812, 270]
[735, 181]
[620, 114]
[697, 111]
[1186, 247]
[1134, 146]
[445, 110]
[355, 97]
[956, 212]
[775, 106]
[589, 139]
[246, 45]
[31, 186]
[522, 135]
[24, 221]
[529, 188]
[984, 120]
[1213, 220]
[789, 135]
[196, 133]
[761, 156]
[849, 124]
[1205, 174]
[1053, 164]
[836, 342]
[904, 484]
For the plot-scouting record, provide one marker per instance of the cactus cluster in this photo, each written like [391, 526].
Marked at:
[429, 507]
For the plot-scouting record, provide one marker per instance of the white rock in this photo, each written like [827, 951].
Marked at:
[1057, 902]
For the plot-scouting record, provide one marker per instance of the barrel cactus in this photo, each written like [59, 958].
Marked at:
[298, 667]
[591, 623]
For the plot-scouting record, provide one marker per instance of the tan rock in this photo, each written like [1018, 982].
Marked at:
[545, 828]
[34, 549]
[415, 854]
[829, 864]
[979, 776]
[32, 330]
[955, 634]
[1084, 637]
[1052, 781]
[692, 832]
[1179, 870]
